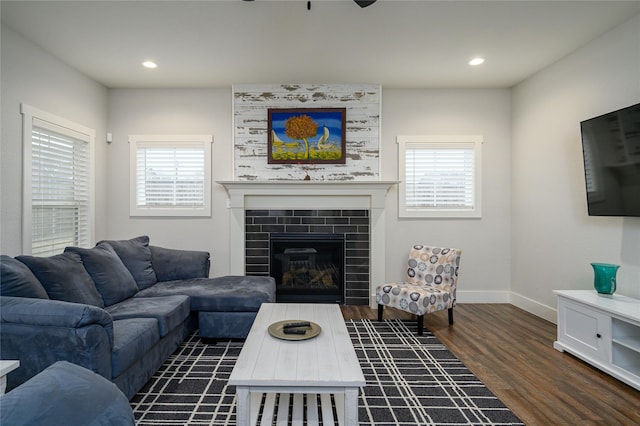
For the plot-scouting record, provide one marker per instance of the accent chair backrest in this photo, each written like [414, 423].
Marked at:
[436, 266]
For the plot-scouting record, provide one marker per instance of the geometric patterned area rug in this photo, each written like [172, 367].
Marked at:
[411, 381]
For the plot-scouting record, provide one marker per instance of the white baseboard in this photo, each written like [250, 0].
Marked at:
[533, 307]
[536, 308]
[482, 296]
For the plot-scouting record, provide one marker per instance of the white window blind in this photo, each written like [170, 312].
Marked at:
[171, 175]
[58, 184]
[439, 176]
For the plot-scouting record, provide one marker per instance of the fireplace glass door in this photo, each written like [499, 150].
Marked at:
[308, 267]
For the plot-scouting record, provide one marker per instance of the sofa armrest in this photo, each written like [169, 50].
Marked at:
[66, 394]
[172, 264]
[56, 313]
[39, 332]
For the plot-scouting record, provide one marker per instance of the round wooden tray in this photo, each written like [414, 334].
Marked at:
[276, 330]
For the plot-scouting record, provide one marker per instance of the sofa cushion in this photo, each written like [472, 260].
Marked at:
[136, 256]
[112, 279]
[220, 294]
[66, 394]
[171, 264]
[169, 311]
[17, 280]
[64, 278]
[132, 340]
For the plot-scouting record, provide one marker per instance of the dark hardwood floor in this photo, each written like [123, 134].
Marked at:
[512, 352]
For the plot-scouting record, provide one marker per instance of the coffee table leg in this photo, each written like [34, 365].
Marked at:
[243, 414]
[351, 406]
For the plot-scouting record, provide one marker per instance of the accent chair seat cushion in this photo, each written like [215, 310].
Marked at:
[419, 299]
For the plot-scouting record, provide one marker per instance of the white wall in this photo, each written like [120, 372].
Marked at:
[485, 242]
[34, 77]
[483, 112]
[553, 238]
[171, 111]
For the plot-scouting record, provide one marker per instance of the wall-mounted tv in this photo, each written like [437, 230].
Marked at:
[611, 153]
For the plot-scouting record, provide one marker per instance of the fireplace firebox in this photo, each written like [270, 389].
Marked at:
[307, 267]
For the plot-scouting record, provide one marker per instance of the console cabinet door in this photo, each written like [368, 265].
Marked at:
[585, 330]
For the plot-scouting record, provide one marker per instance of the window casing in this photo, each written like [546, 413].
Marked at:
[58, 205]
[440, 176]
[170, 175]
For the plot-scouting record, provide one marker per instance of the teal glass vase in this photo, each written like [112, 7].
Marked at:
[605, 277]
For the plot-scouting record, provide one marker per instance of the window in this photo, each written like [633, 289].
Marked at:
[170, 175]
[440, 176]
[58, 183]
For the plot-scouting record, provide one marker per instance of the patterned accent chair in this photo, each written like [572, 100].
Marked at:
[432, 279]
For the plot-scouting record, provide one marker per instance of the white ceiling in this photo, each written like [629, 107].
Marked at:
[396, 43]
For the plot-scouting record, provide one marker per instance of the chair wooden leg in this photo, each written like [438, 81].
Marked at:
[380, 312]
[420, 324]
[450, 316]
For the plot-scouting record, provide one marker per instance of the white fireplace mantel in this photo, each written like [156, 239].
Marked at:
[364, 195]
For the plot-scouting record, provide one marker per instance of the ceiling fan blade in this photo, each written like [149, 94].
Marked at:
[364, 3]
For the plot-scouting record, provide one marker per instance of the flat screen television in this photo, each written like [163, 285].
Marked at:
[611, 153]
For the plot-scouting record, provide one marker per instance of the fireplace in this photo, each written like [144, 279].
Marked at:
[353, 208]
[307, 267]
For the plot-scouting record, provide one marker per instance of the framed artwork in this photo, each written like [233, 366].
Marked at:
[307, 136]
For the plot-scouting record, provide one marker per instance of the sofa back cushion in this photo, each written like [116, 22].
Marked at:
[112, 279]
[136, 256]
[17, 280]
[172, 264]
[64, 278]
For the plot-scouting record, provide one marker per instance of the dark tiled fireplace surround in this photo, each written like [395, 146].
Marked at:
[353, 225]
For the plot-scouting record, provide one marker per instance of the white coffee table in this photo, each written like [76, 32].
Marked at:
[280, 375]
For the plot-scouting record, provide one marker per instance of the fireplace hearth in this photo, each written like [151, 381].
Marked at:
[307, 267]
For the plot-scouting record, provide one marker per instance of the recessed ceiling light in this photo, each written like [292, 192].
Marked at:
[476, 61]
[149, 64]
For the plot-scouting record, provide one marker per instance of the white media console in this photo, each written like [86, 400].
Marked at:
[603, 330]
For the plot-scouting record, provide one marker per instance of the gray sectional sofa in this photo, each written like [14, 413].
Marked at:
[118, 309]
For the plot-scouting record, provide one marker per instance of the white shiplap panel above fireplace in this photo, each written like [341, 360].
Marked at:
[251, 103]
